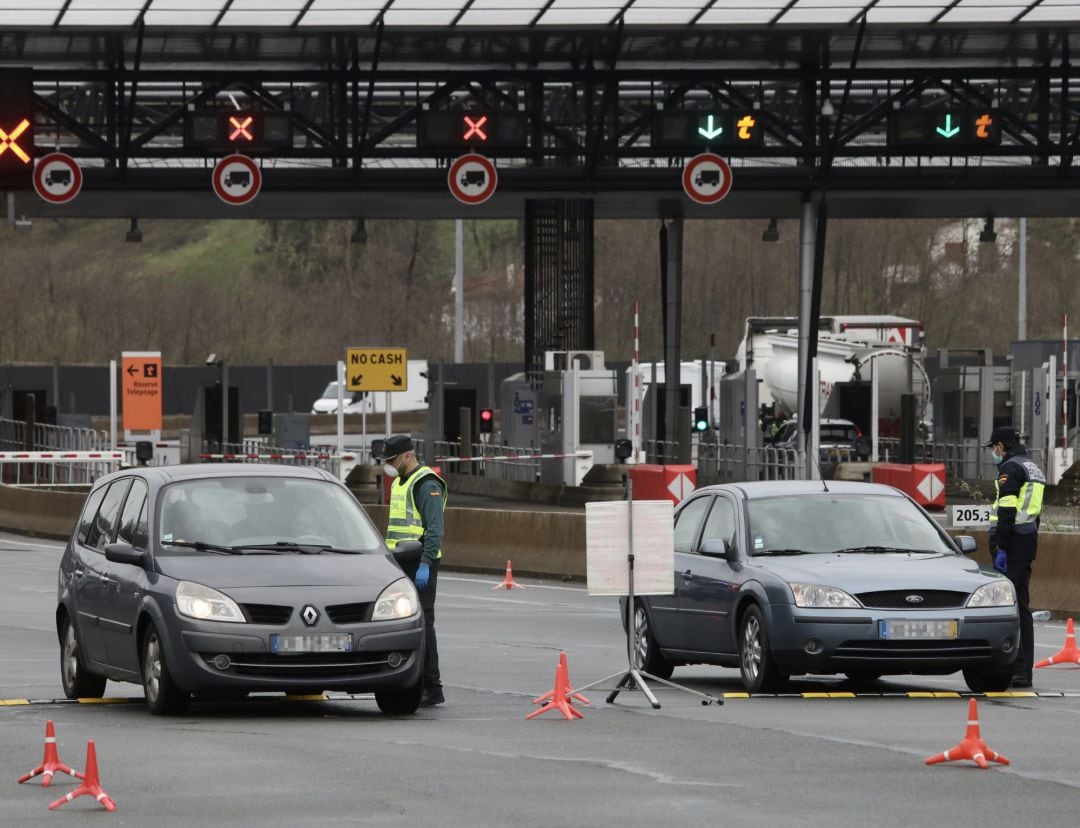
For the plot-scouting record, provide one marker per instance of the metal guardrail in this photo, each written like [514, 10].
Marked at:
[45, 437]
[58, 469]
[511, 463]
[730, 463]
[259, 451]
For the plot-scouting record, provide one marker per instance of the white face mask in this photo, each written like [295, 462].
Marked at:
[389, 470]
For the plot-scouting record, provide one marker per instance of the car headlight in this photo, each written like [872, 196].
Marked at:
[817, 596]
[997, 593]
[399, 600]
[198, 601]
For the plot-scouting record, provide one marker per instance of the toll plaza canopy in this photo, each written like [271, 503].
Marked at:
[358, 108]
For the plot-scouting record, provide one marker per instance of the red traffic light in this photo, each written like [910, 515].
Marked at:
[487, 415]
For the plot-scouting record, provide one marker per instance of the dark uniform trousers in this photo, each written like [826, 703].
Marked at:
[431, 648]
[1021, 556]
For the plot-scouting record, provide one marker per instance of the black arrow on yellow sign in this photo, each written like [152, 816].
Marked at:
[357, 379]
[394, 378]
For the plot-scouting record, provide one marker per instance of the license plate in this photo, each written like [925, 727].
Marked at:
[321, 643]
[909, 630]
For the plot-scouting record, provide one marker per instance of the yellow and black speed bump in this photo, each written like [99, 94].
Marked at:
[331, 697]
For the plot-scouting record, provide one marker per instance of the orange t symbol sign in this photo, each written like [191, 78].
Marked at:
[982, 126]
[745, 124]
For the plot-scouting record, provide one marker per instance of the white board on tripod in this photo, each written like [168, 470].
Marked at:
[607, 542]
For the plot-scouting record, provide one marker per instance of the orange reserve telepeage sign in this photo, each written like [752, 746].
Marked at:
[141, 390]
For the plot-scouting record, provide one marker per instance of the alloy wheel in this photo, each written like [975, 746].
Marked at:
[751, 649]
[641, 637]
[152, 667]
[71, 657]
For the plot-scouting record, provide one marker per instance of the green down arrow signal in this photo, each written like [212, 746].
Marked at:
[708, 131]
[949, 131]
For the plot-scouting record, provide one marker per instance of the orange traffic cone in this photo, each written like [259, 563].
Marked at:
[972, 747]
[572, 695]
[90, 786]
[51, 763]
[508, 582]
[1069, 654]
[560, 696]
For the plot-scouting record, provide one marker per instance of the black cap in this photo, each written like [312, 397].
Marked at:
[1007, 435]
[392, 446]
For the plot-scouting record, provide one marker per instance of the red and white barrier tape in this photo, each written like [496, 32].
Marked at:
[299, 456]
[66, 456]
[506, 457]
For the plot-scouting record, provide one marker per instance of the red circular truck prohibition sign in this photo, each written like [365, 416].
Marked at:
[237, 179]
[472, 179]
[57, 178]
[706, 178]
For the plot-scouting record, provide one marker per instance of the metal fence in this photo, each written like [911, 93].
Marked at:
[259, 451]
[57, 469]
[732, 463]
[45, 437]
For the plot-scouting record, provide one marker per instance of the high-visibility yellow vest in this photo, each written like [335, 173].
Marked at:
[1028, 503]
[405, 521]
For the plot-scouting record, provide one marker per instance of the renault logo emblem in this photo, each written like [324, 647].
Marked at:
[310, 615]
[914, 599]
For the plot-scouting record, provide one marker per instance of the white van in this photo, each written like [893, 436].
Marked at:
[411, 399]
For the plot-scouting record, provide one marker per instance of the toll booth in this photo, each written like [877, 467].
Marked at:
[518, 401]
[970, 400]
[576, 411]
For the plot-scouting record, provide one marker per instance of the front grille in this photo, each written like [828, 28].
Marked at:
[932, 599]
[927, 650]
[304, 667]
[349, 613]
[267, 613]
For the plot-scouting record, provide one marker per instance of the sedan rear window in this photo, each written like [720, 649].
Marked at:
[834, 522]
[238, 511]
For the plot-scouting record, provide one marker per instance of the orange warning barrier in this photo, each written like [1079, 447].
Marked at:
[51, 763]
[1068, 654]
[560, 696]
[91, 786]
[972, 747]
[572, 695]
[508, 581]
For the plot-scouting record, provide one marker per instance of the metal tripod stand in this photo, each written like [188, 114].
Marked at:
[633, 678]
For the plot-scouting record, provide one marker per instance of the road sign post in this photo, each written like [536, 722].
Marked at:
[140, 377]
[237, 179]
[58, 178]
[706, 178]
[472, 179]
[376, 369]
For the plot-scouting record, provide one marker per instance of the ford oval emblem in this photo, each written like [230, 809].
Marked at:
[914, 599]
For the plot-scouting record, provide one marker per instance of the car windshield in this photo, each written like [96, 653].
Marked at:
[330, 392]
[849, 523]
[248, 511]
[838, 434]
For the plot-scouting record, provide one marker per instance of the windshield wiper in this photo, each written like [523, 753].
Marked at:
[881, 550]
[783, 552]
[203, 546]
[296, 546]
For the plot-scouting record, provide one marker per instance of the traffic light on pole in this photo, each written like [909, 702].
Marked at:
[487, 420]
[701, 418]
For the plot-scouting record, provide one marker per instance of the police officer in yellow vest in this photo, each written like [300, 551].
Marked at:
[1014, 532]
[417, 501]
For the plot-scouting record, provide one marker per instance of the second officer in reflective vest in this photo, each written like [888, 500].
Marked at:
[1014, 532]
[417, 502]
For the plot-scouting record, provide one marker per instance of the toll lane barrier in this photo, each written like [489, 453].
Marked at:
[924, 482]
[549, 544]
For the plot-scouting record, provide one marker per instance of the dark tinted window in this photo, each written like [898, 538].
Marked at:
[134, 508]
[89, 510]
[687, 523]
[104, 526]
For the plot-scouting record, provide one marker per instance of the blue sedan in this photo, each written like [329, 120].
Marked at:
[801, 577]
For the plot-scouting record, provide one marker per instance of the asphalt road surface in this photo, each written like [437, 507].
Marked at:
[804, 758]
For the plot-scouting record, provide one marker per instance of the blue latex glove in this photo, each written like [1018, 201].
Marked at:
[1001, 561]
[423, 572]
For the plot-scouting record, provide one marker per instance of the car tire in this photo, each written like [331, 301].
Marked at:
[400, 701]
[986, 680]
[759, 671]
[163, 697]
[647, 655]
[78, 681]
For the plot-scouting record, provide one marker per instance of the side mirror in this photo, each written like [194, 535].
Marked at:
[125, 553]
[966, 543]
[717, 548]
